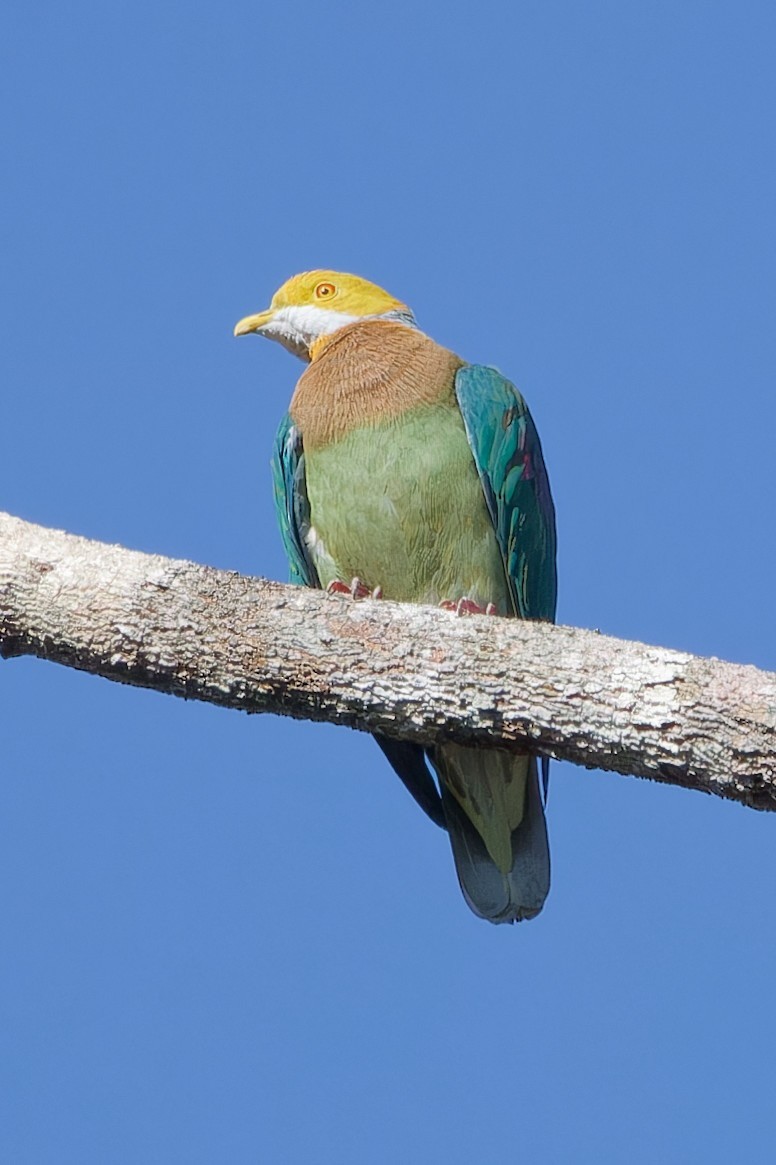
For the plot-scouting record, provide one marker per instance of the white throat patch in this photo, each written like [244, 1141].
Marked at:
[297, 328]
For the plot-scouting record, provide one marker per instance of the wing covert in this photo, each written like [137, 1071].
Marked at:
[508, 456]
[291, 504]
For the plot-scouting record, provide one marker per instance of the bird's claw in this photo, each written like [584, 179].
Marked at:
[355, 589]
[467, 606]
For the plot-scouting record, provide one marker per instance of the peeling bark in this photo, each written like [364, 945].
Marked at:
[408, 671]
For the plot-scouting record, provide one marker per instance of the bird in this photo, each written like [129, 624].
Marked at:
[401, 471]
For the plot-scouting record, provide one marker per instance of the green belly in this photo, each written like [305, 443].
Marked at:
[401, 506]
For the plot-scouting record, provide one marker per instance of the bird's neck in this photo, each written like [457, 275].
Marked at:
[369, 373]
[322, 342]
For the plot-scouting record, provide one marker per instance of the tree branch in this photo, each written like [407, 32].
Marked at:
[408, 671]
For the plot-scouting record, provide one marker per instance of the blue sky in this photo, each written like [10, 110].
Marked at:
[237, 939]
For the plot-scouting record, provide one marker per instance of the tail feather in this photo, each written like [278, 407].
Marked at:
[409, 762]
[491, 894]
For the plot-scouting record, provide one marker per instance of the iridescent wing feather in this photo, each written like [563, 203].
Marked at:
[291, 505]
[508, 456]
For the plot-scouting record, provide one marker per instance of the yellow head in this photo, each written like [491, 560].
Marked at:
[315, 304]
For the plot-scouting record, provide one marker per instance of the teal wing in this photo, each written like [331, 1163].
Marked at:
[508, 456]
[291, 505]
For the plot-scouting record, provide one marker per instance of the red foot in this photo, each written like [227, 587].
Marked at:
[467, 606]
[356, 589]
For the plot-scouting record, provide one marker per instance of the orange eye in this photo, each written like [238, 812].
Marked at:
[325, 291]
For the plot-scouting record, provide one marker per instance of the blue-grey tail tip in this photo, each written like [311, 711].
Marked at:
[492, 895]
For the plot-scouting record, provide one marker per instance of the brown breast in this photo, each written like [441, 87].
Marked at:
[368, 373]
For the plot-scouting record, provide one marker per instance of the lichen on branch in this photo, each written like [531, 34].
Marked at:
[414, 672]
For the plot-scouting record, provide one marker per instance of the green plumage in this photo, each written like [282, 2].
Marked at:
[381, 502]
[438, 502]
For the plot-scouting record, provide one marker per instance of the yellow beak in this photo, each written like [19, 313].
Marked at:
[253, 323]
